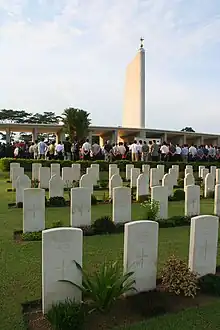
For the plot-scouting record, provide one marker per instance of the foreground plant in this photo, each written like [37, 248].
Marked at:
[151, 209]
[178, 278]
[66, 315]
[106, 286]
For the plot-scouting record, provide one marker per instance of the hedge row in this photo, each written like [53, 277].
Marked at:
[27, 164]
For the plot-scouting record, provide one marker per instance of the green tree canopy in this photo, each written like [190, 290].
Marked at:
[76, 122]
[21, 116]
[187, 129]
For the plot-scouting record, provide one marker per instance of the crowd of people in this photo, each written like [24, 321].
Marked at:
[136, 151]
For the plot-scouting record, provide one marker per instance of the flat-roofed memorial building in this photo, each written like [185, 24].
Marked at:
[133, 124]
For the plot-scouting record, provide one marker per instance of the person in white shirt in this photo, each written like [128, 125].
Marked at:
[122, 150]
[192, 152]
[86, 149]
[41, 149]
[139, 150]
[178, 152]
[60, 150]
[164, 150]
[134, 151]
[184, 153]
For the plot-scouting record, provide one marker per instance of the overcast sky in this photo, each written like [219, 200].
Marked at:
[60, 53]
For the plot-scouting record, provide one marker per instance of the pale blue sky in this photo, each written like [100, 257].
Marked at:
[60, 53]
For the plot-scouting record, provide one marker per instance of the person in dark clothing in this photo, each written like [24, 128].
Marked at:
[67, 149]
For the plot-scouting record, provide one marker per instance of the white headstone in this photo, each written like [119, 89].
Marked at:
[167, 181]
[160, 171]
[213, 171]
[68, 176]
[204, 172]
[209, 185]
[217, 200]
[121, 204]
[160, 194]
[200, 171]
[142, 186]
[176, 168]
[189, 167]
[154, 177]
[77, 171]
[13, 165]
[96, 170]
[22, 183]
[92, 173]
[173, 173]
[188, 171]
[44, 177]
[35, 170]
[140, 253]
[189, 180]
[217, 176]
[56, 186]
[86, 182]
[61, 247]
[192, 200]
[203, 244]
[16, 172]
[113, 169]
[146, 169]
[55, 170]
[128, 171]
[114, 182]
[80, 208]
[135, 172]
[33, 210]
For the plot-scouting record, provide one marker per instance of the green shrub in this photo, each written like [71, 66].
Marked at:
[93, 200]
[66, 315]
[35, 236]
[151, 209]
[57, 224]
[103, 184]
[210, 284]
[106, 286]
[177, 278]
[210, 194]
[178, 195]
[20, 205]
[34, 183]
[103, 225]
[57, 201]
[180, 183]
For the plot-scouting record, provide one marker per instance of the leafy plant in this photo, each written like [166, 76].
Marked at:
[210, 284]
[66, 315]
[177, 278]
[106, 286]
[34, 236]
[57, 201]
[180, 183]
[93, 200]
[57, 224]
[35, 183]
[178, 195]
[103, 225]
[151, 209]
[103, 183]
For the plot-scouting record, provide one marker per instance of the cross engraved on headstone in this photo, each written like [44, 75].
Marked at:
[62, 269]
[194, 203]
[140, 260]
[206, 247]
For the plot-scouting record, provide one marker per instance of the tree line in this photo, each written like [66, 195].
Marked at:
[76, 121]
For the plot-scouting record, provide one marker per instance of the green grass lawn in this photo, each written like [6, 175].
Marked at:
[20, 263]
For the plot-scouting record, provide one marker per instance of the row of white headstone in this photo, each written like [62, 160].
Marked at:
[63, 246]
[80, 207]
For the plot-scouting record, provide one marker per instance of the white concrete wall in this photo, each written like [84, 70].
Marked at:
[134, 102]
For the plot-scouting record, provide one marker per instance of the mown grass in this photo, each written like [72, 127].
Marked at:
[20, 263]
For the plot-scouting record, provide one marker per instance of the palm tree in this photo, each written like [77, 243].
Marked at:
[76, 123]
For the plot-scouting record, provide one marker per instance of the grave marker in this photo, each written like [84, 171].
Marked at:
[35, 171]
[80, 208]
[128, 171]
[13, 165]
[44, 177]
[22, 183]
[142, 186]
[209, 185]
[192, 200]
[114, 182]
[135, 172]
[55, 170]
[16, 172]
[33, 210]
[160, 194]
[121, 204]
[56, 186]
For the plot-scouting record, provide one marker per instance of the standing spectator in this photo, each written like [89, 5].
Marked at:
[134, 151]
[86, 149]
[41, 149]
[192, 152]
[122, 150]
[172, 152]
[178, 153]
[145, 151]
[67, 149]
[75, 150]
[51, 150]
[31, 150]
[96, 150]
[164, 150]
[59, 150]
[200, 153]
[185, 153]
[139, 150]
[35, 150]
[211, 153]
[155, 151]
[107, 150]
